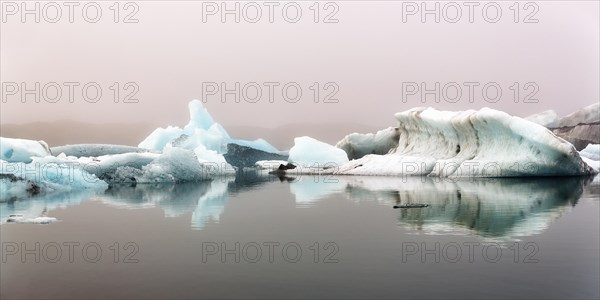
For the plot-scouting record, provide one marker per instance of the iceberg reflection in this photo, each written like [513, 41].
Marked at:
[492, 208]
[205, 200]
[38, 206]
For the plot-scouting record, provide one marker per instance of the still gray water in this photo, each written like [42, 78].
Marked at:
[259, 236]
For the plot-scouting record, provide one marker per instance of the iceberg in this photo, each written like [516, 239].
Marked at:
[45, 175]
[200, 130]
[309, 152]
[172, 165]
[592, 151]
[25, 220]
[484, 143]
[18, 150]
[591, 156]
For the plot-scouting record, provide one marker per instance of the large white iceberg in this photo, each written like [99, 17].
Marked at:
[201, 130]
[309, 152]
[484, 143]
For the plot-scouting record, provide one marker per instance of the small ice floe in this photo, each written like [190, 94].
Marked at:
[20, 219]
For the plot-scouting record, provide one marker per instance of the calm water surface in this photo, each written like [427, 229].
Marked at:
[258, 236]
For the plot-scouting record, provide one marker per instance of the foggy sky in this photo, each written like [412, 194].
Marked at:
[368, 54]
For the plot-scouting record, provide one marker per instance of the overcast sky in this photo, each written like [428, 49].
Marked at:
[365, 57]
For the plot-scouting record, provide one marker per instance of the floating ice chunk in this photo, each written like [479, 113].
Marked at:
[201, 132]
[174, 165]
[358, 145]
[592, 151]
[51, 174]
[20, 150]
[310, 152]
[547, 118]
[484, 143]
[20, 219]
[104, 166]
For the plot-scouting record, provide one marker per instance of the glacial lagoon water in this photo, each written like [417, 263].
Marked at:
[260, 236]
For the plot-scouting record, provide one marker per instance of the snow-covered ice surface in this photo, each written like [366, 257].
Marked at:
[484, 143]
[310, 152]
[548, 118]
[358, 145]
[91, 150]
[201, 130]
[19, 150]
